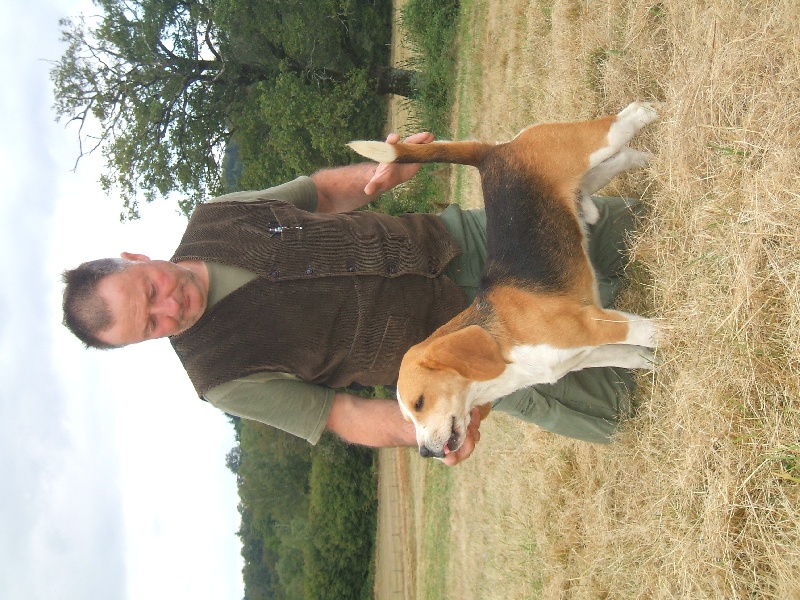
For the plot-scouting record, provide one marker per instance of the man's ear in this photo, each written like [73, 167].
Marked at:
[135, 257]
[470, 352]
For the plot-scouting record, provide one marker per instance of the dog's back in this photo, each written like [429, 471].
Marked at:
[533, 236]
[533, 240]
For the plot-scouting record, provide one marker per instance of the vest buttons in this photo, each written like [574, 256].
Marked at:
[392, 267]
[309, 270]
[274, 273]
[351, 266]
[433, 266]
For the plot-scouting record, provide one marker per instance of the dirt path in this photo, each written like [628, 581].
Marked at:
[393, 577]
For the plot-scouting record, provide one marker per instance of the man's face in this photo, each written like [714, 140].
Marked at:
[151, 299]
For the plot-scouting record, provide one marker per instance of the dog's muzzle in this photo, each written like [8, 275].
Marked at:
[426, 452]
[453, 444]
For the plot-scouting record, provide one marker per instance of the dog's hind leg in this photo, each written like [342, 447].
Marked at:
[630, 120]
[601, 175]
[561, 154]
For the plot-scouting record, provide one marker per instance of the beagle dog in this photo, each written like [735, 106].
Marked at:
[537, 315]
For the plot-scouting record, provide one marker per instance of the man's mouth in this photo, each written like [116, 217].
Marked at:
[184, 305]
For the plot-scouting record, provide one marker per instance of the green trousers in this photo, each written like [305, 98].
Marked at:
[587, 404]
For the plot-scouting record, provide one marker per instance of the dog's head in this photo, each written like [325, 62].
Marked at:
[436, 383]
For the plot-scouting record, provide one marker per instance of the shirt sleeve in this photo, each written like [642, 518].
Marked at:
[277, 399]
[302, 192]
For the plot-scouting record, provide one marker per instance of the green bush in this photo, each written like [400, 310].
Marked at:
[342, 521]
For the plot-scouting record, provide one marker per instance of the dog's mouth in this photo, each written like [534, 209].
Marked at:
[455, 440]
[453, 443]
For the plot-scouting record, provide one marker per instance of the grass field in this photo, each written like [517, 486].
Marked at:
[700, 496]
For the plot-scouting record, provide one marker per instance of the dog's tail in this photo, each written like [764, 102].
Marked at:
[462, 153]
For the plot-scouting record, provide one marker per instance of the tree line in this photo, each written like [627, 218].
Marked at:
[308, 515]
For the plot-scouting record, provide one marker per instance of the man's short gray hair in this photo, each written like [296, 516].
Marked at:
[85, 313]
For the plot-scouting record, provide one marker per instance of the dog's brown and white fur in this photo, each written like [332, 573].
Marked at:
[537, 315]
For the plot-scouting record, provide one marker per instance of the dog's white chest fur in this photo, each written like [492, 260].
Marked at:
[529, 365]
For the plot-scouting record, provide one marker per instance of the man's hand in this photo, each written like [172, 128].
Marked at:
[473, 437]
[389, 175]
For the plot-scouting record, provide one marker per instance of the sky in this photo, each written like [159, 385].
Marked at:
[113, 482]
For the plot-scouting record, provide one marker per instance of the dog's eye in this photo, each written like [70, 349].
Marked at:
[419, 404]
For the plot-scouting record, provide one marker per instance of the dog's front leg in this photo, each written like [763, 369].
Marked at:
[604, 326]
[619, 355]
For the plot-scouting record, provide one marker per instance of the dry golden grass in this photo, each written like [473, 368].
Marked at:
[700, 497]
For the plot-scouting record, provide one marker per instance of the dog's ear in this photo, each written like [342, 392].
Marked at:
[470, 352]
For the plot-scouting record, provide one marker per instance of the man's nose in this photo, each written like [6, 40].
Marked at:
[166, 306]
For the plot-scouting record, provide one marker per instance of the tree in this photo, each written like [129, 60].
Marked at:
[319, 41]
[233, 460]
[140, 74]
[341, 522]
[273, 472]
[157, 85]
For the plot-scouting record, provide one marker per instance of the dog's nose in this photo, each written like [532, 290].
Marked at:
[426, 452]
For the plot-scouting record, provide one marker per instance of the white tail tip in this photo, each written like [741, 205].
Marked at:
[378, 151]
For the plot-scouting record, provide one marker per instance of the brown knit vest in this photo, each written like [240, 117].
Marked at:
[338, 299]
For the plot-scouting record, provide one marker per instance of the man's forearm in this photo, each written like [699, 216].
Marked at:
[377, 423]
[342, 189]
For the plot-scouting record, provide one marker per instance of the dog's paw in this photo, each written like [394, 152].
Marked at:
[652, 334]
[642, 332]
[644, 358]
[638, 114]
[638, 159]
[590, 214]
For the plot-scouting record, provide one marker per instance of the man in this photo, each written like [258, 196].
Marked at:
[276, 299]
